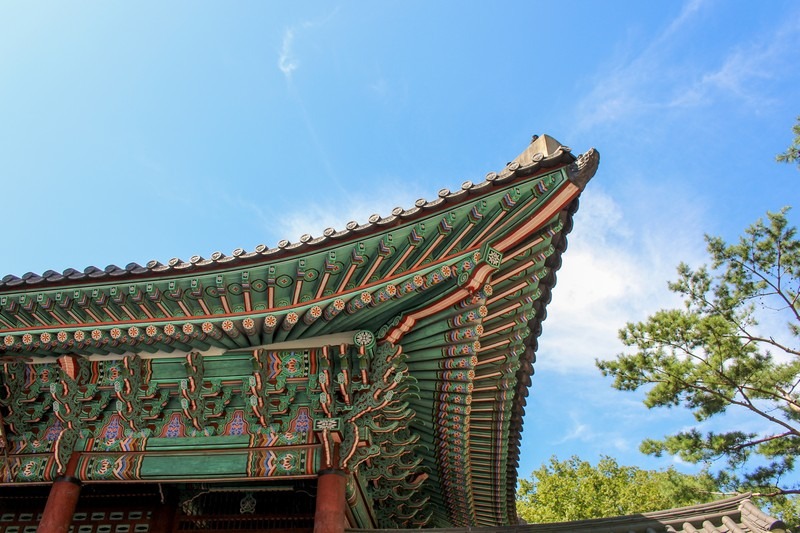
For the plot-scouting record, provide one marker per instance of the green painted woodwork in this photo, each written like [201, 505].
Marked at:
[198, 443]
[407, 343]
[177, 466]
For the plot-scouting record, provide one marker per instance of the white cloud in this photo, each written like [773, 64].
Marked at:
[680, 462]
[613, 272]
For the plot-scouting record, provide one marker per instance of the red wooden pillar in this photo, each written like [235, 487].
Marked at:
[163, 519]
[329, 516]
[61, 502]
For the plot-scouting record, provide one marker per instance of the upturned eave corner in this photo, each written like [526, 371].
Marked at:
[546, 151]
[584, 168]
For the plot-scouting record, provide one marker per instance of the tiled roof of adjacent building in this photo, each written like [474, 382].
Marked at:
[736, 514]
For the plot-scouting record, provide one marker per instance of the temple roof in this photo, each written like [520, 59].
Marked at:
[454, 290]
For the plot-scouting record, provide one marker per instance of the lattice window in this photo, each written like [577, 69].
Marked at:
[82, 522]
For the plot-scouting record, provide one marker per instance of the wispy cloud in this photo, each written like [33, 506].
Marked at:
[287, 59]
[315, 217]
[586, 433]
[648, 80]
[379, 87]
[689, 10]
[626, 88]
[252, 214]
[288, 64]
[741, 71]
[577, 431]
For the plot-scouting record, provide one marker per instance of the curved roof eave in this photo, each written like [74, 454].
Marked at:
[543, 153]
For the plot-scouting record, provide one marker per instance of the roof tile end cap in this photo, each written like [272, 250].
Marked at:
[757, 519]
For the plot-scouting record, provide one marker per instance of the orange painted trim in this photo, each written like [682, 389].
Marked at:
[428, 251]
[520, 268]
[373, 268]
[163, 310]
[297, 288]
[144, 309]
[183, 308]
[248, 306]
[347, 277]
[501, 312]
[124, 308]
[478, 278]
[322, 284]
[460, 236]
[52, 314]
[402, 259]
[492, 224]
[556, 204]
[517, 209]
[42, 322]
[518, 287]
[498, 329]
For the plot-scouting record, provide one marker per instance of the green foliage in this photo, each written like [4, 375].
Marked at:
[792, 154]
[713, 355]
[786, 509]
[576, 490]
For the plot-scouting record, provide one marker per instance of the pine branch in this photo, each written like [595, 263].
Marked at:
[761, 441]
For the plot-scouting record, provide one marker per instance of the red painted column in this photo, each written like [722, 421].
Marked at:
[329, 516]
[163, 518]
[61, 502]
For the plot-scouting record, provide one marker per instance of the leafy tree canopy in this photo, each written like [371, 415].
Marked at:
[714, 355]
[792, 154]
[577, 490]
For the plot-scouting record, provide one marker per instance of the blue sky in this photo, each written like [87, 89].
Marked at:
[160, 130]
